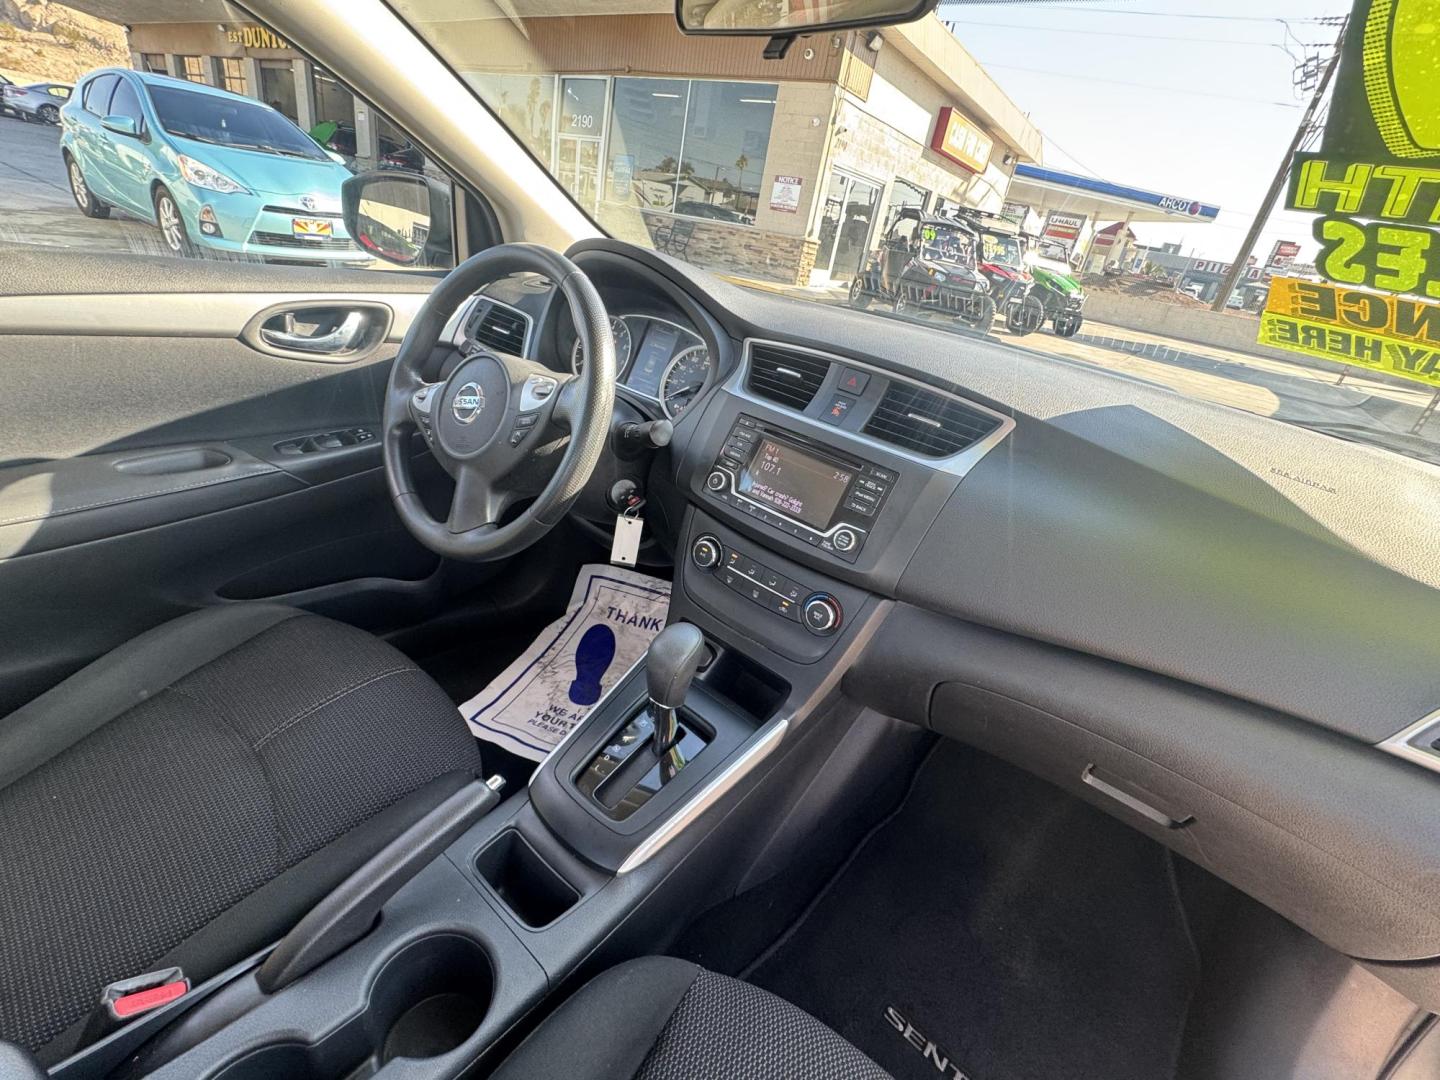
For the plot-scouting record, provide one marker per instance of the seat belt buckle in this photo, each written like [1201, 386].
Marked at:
[127, 999]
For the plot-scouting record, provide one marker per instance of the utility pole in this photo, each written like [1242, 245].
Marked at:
[1238, 267]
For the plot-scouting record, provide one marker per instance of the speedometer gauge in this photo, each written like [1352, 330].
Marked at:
[620, 329]
[684, 379]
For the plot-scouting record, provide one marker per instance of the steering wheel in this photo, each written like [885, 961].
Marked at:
[498, 422]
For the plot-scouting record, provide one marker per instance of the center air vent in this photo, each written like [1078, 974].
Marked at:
[781, 375]
[927, 422]
[498, 327]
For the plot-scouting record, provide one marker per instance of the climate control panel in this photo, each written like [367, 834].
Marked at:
[817, 611]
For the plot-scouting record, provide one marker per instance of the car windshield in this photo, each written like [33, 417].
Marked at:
[1003, 249]
[1132, 148]
[944, 242]
[230, 122]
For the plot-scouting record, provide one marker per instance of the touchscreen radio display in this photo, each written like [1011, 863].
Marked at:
[797, 484]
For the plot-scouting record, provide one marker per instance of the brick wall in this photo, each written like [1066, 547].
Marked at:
[739, 249]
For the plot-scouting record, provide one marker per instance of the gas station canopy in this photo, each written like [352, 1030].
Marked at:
[1101, 200]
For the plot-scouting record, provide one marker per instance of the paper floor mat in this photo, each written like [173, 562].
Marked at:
[530, 706]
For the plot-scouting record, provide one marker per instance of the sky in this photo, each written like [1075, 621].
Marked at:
[1210, 118]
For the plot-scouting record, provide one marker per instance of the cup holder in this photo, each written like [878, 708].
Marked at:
[429, 999]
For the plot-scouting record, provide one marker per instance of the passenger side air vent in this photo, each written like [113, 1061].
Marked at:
[790, 378]
[498, 327]
[926, 422]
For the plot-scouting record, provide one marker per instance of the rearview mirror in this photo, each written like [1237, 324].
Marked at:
[767, 18]
[121, 125]
[403, 218]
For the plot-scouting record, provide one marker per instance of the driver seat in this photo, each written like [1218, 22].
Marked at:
[186, 798]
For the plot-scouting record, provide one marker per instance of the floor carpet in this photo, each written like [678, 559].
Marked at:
[996, 929]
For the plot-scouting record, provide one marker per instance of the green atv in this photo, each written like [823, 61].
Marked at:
[1059, 294]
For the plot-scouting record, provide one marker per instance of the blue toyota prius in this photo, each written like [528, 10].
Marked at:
[215, 171]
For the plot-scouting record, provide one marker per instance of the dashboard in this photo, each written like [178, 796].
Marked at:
[1085, 574]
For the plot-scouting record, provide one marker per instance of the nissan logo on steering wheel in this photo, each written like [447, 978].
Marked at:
[469, 403]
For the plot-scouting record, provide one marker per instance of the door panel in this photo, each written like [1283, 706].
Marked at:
[153, 460]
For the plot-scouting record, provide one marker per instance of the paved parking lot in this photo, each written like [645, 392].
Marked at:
[35, 202]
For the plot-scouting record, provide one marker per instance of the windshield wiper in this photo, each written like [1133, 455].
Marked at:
[267, 149]
[195, 136]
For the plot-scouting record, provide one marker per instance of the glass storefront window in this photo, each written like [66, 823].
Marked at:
[582, 107]
[727, 129]
[524, 103]
[334, 106]
[845, 222]
[690, 147]
[232, 74]
[903, 195]
[647, 125]
[153, 63]
[277, 87]
[193, 68]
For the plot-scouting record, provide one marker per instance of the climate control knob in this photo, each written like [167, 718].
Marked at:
[821, 614]
[716, 481]
[705, 552]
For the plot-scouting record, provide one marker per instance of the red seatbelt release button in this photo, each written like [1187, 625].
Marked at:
[129, 998]
[124, 1001]
[142, 1001]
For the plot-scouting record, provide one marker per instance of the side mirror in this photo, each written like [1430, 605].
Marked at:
[403, 218]
[121, 125]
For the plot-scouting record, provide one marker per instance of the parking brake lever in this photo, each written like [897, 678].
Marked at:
[348, 913]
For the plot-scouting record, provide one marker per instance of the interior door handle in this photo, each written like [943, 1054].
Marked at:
[343, 339]
[320, 329]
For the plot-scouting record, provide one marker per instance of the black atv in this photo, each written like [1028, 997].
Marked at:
[928, 264]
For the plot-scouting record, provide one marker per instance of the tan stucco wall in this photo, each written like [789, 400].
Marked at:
[928, 45]
[797, 148]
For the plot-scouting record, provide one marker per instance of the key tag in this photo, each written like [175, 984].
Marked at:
[625, 548]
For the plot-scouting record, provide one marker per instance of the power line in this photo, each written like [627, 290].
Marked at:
[1108, 33]
[1071, 156]
[1140, 86]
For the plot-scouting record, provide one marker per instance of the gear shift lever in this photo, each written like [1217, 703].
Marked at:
[670, 664]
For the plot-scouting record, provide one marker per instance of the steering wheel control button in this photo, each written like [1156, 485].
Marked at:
[844, 540]
[536, 391]
[705, 552]
[822, 614]
[717, 481]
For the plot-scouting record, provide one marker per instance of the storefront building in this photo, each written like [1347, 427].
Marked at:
[785, 170]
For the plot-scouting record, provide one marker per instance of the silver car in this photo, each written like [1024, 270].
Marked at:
[38, 101]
